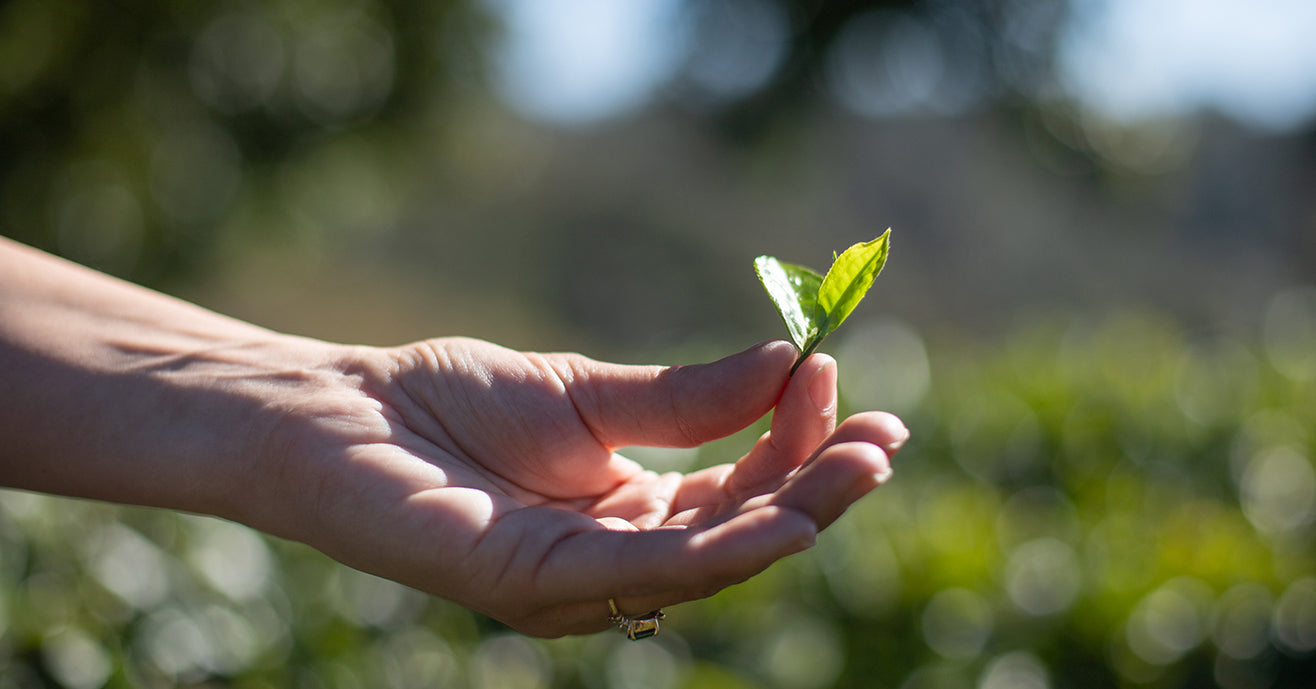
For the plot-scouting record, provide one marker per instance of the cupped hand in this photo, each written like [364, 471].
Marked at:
[491, 477]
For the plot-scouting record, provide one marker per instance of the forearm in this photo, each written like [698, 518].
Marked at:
[115, 392]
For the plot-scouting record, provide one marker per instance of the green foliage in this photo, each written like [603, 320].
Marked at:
[1088, 504]
[814, 306]
[136, 142]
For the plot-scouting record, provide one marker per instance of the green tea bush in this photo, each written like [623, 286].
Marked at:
[1118, 503]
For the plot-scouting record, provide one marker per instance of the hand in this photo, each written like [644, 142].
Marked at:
[476, 473]
[489, 477]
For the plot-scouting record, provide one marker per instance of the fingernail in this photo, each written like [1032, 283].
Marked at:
[822, 388]
[898, 430]
[892, 447]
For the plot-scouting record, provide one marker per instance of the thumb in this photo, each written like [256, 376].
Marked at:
[676, 406]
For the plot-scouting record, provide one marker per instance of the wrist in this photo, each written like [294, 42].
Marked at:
[258, 416]
[114, 392]
[305, 404]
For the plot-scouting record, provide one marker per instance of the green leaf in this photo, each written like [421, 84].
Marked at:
[794, 291]
[812, 306]
[848, 280]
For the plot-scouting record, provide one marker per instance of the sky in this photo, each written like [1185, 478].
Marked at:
[1254, 60]
[577, 61]
[583, 61]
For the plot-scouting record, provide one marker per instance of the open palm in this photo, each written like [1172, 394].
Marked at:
[490, 477]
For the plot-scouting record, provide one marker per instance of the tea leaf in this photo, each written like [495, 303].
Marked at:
[812, 305]
[848, 280]
[794, 291]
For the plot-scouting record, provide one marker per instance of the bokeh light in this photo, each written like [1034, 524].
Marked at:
[1147, 58]
[76, 659]
[196, 172]
[1241, 626]
[804, 654]
[1043, 577]
[1017, 670]
[957, 623]
[578, 61]
[372, 601]
[886, 65]
[131, 566]
[343, 66]
[886, 366]
[1279, 492]
[232, 558]
[641, 666]
[511, 662]
[415, 657]
[238, 62]
[1290, 326]
[1294, 622]
[736, 47]
[1169, 622]
[97, 216]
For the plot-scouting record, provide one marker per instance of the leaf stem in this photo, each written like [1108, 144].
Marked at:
[809, 348]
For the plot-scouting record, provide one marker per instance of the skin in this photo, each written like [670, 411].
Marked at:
[473, 472]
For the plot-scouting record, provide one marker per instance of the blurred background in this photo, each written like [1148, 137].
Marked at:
[1098, 317]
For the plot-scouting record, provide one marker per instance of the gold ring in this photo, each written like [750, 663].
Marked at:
[638, 627]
